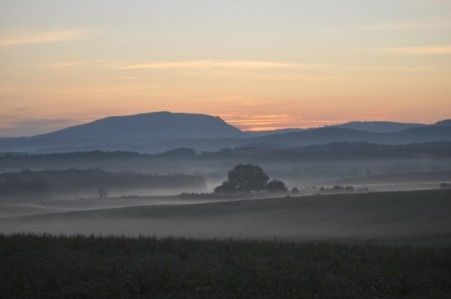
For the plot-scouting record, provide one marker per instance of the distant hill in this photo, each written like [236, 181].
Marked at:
[164, 131]
[431, 133]
[158, 125]
[317, 136]
[126, 132]
[270, 132]
[444, 123]
[379, 126]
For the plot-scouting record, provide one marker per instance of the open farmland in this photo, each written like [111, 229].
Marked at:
[384, 215]
[33, 266]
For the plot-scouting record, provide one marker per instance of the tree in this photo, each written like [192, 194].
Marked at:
[102, 193]
[226, 187]
[276, 186]
[244, 178]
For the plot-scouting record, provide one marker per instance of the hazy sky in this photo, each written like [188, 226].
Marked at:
[256, 63]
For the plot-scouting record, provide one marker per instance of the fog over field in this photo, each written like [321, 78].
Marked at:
[326, 191]
[340, 191]
[394, 215]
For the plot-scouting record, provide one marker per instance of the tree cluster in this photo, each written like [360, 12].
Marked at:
[249, 178]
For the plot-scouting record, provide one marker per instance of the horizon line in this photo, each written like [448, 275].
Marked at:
[244, 125]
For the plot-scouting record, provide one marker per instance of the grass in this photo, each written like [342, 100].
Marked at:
[48, 266]
[384, 215]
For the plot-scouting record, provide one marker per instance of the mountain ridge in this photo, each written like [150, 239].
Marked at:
[145, 124]
[162, 131]
[380, 126]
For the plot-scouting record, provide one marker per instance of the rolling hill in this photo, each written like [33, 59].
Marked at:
[379, 126]
[157, 125]
[126, 132]
[431, 133]
[163, 131]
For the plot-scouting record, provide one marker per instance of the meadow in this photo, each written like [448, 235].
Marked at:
[378, 215]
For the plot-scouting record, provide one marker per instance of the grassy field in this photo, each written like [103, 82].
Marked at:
[389, 215]
[294, 247]
[45, 266]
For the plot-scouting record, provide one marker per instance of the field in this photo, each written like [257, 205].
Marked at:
[384, 215]
[113, 267]
[400, 181]
[369, 245]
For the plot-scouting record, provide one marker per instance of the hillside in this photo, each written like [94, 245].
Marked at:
[432, 133]
[379, 126]
[126, 132]
[163, 131]
[157, 125]
[446, 122]
[367, 215]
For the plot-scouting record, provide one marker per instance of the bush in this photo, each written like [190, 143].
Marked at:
[276, 186]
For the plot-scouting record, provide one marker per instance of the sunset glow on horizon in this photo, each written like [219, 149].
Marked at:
[258, 64]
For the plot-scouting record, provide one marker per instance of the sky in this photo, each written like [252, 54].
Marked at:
[258, 64]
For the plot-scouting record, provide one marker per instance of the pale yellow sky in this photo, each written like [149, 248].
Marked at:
[257, 64]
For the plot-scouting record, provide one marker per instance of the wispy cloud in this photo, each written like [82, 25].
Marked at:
[78, 63]
[14, 38]
[394, 26]
[228, 67]
[406, 26]
[259, 122]
[224, 65]
[265, 122]
[427, 50]
[220, 64]
[385, 68]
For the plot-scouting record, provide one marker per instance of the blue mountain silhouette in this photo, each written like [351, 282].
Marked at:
[162, 131]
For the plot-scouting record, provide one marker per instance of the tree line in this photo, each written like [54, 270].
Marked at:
[27, 182]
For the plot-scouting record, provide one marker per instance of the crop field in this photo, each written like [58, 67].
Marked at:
[44, 266]
[368, 245]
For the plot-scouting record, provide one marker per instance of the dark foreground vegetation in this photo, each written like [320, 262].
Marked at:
[45, 266]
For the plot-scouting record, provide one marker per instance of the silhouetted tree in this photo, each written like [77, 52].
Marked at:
[276, 186]
[244, 178]
[226, 187]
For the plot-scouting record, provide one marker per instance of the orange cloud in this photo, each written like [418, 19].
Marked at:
[259, 122]
[223, 64]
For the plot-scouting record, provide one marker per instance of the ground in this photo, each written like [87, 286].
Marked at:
[369, 245]
[112, 267]
[384, 215]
